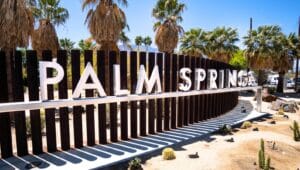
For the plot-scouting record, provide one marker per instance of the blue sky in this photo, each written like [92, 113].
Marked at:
[205, 14]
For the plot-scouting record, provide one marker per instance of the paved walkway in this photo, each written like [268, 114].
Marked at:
[100, 156]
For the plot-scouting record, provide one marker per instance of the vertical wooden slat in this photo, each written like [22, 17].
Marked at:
[209, 97]
[192, 98]
[180, 99]
[187, 98]
[202, 97]
[33, 89]
[143, 106]
[213, 96]
[197, 65]
[167, 84]
[174, 88]
[124, 105]
[5, 129]
[63, 94]
[77, 110]
[133, 104]
[20, 119]
[151, 112]
[50, 113]
[113, 107]
[159, 109]
[90, 118]
[205, 97]
[101, 61]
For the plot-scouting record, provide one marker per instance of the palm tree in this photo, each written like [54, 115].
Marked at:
[221, 43]
[125, 40]
[261, 48]
[86, 44]
[66, 44]
[168, 13]
[105, 21]
[294, 43]
[147, 41]
[194, 42]
[138, 41]
[16, 26]
[49, 13]
[283, 60]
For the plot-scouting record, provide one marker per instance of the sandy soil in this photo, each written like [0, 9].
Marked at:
[216, 153]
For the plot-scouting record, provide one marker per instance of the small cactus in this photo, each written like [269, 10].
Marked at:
[295, 129]
[168, 154]
[280, 111]
[263, 164]
[246, 124]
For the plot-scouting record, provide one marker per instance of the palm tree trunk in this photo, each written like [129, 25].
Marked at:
[260, 77]
[280, 82]
[296, 74]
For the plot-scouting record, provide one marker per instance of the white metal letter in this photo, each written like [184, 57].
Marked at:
[232, 78]
[199, 77]
[243, 78]
[211, 79]
[221, 79]
[83, 85]
[117, 82]
[149, 84]
[187, 80]
[44, 80]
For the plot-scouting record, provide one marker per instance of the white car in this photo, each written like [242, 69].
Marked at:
[290, 84]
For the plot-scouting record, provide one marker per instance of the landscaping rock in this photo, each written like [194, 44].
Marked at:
[273, 122]
[255, 129]
[229, 140]
[287, 106]
[269, 98]
[286, 116]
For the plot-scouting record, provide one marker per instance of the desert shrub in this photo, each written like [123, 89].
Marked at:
[280, 111]
[246, 124]
[225, 129]
[135, 164]
[271, 90]
[295, 129]
[168, 154]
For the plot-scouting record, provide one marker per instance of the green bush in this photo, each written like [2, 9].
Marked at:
[225, 129]
[135, 164]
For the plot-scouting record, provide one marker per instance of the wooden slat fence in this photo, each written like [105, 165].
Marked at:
[123, 120]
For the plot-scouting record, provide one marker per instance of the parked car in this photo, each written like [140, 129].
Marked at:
[290, 84]
[297, 84]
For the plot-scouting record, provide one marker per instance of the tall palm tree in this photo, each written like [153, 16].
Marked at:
[221, 43]
[261, 48]
[49, 14]
[138, 41]
[194, 42]
[66, 44]
[283, 60]
[16, 26]
[294, 43]
[124, 39]
[168, 15]
[105, 21]
[147, 41]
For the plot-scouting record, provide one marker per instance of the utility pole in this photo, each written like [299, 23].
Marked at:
[250, 33]
[297, 58]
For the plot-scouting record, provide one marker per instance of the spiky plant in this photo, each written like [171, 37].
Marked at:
[261, 154]
[295, 129]
[138, 41]
[168, 15]
[105, 21]
[221, 44]
[49, 14]
[194, 42]
[147, 41]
